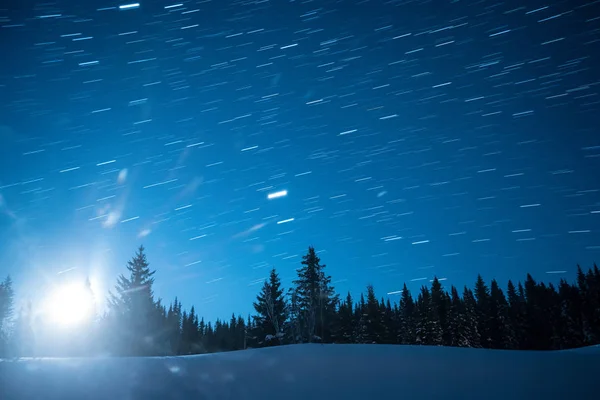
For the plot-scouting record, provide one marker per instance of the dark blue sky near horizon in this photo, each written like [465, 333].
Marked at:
[413, 139]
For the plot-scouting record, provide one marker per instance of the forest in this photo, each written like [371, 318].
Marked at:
[528, 315]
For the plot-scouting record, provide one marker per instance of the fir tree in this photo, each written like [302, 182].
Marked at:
[482, 296]
[316, 298]
[373, 318]
[407, 332]
[457, 326]
[429, 331]
[516, 317]
[346, 325]
[499, 324]
[471, 327]
[271, 309]
[439, 310]
[133, 310]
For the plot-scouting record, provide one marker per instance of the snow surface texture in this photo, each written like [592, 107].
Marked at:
[312, 372]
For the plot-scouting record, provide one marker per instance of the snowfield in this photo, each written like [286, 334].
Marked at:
[307, 372]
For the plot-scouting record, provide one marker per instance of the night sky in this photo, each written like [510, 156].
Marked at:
[402, 139]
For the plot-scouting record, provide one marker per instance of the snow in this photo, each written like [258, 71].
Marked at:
[312, 372]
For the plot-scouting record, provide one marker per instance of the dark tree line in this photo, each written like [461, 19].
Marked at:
[526, 316]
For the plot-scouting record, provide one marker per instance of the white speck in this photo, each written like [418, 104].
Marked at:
[285, 221]
[418, 279]
[130, 219]
[183, 207]
[197, 237]
[530, 205]
[105, 163]
[304, 173]
[69, 169]
[347, 132]
[160, 183]
[500, 33]
[421, 242]
[275, 195]
[192, 263]
[129, 6]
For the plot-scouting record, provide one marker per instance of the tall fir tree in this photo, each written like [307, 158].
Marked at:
[271, 309]
[516, 317]
[471, 332]
[406, 317]
[439, 310]
[373, 318]
[499, 323]
[482, 296]
[316, 298]
[133, 311]
[346, 321]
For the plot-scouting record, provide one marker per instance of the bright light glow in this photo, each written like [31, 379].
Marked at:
[275, 195]
[70, 305]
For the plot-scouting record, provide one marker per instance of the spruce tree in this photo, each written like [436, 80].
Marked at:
[271, 309]
[457, 325]
[133, 311]
[516, 317]
[316, 298]
[499, 323]
[570, 325]
[482, 295]
[439, 310]
[429, 331]
[346, 321]
[407, 332]
[361, 334]
[471, 328]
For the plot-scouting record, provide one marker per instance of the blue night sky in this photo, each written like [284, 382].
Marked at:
[412, 139]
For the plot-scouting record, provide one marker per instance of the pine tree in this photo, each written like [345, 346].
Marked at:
[174, 320]
[516, 317]
[570, 326]
[373, 320]
[316, 298]
[429, 331]
[407, 332]
[389, 322]
[457, 321]
[346, 325]
[133, 311]
[499, 323]
[361, 334]
[272, 311]
[439, 310]
[482, 295]
[471, 327]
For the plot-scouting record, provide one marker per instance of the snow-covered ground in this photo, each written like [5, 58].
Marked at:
[307, 372]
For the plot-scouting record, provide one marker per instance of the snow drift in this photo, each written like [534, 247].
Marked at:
[311, 372]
